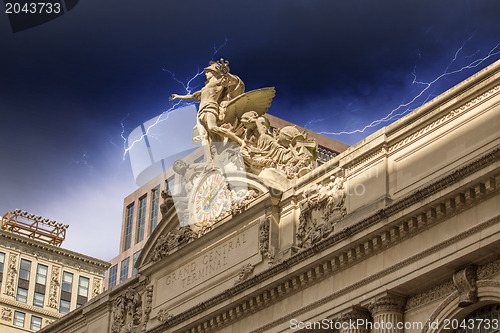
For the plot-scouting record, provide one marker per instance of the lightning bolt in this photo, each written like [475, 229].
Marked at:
[164, 115]
[400, 109]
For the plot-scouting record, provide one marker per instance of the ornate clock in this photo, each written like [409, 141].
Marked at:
[210, 197]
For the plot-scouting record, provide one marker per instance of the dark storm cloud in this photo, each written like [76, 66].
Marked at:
[336, 65]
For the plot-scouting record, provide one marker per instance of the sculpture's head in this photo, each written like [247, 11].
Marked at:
[289, 135]
[248, 118]
[180, 167]
[217, 69]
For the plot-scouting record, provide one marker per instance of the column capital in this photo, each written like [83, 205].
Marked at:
[354, 313]
[389, 302]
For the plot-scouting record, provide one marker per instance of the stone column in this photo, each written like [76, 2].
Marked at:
[355, 320]
[387, 312]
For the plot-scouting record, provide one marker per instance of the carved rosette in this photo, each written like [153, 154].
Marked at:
[163, 316]
[465, 282]
[322, 208]
[131, 310]
[96, 288]
[6, 314]
[54, 287]
[245, 272]
[11, 275]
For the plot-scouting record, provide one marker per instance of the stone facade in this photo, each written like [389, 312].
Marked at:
[26, 305]
[399, 233]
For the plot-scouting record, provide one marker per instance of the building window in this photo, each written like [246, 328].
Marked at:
[24, 271]
[67, 285]
[112, 276]
[134, 259]
[22, 295]
[124, 270]
[2, 260]
[36, 323]
[67, 282]
[155, 198]
[488, 316]
[64, 306]
[24, 281]
[141, 219]
[19, 318]
[40, 281]
[170, 182]
[128, 227]
[38, 299]
[83, 291]
[41, 274]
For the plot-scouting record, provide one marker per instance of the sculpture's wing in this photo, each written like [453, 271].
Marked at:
[257, 100]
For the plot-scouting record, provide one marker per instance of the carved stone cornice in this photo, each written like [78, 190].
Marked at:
[37, 246]
[465, 282]
[441, 121]
[339, 260]
[447, 288]
[437, 292]
[31, 308]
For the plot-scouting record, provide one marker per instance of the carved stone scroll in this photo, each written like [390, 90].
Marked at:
[54, 287]
[11, 275]
[264, 236]
[465, 281]
[96, 288]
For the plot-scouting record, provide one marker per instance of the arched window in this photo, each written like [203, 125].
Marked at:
[483, 320]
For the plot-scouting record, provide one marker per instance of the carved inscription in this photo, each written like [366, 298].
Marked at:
[212, 262]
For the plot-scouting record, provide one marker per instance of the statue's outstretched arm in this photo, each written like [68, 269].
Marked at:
[195, 96]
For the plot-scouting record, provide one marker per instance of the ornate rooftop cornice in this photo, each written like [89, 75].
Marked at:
[37, 245]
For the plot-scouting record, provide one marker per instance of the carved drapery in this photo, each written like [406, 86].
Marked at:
[465, 282]
[11, 275]
[322, 208]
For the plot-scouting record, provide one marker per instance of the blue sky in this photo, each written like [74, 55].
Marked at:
[69, 85]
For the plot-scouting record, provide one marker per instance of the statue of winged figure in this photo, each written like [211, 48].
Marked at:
[223, 101]
[228, 113]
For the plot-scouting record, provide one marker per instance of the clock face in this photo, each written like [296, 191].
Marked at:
[209, 198]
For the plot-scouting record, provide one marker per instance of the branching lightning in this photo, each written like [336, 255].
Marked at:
[164, 115]
[394, 114]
